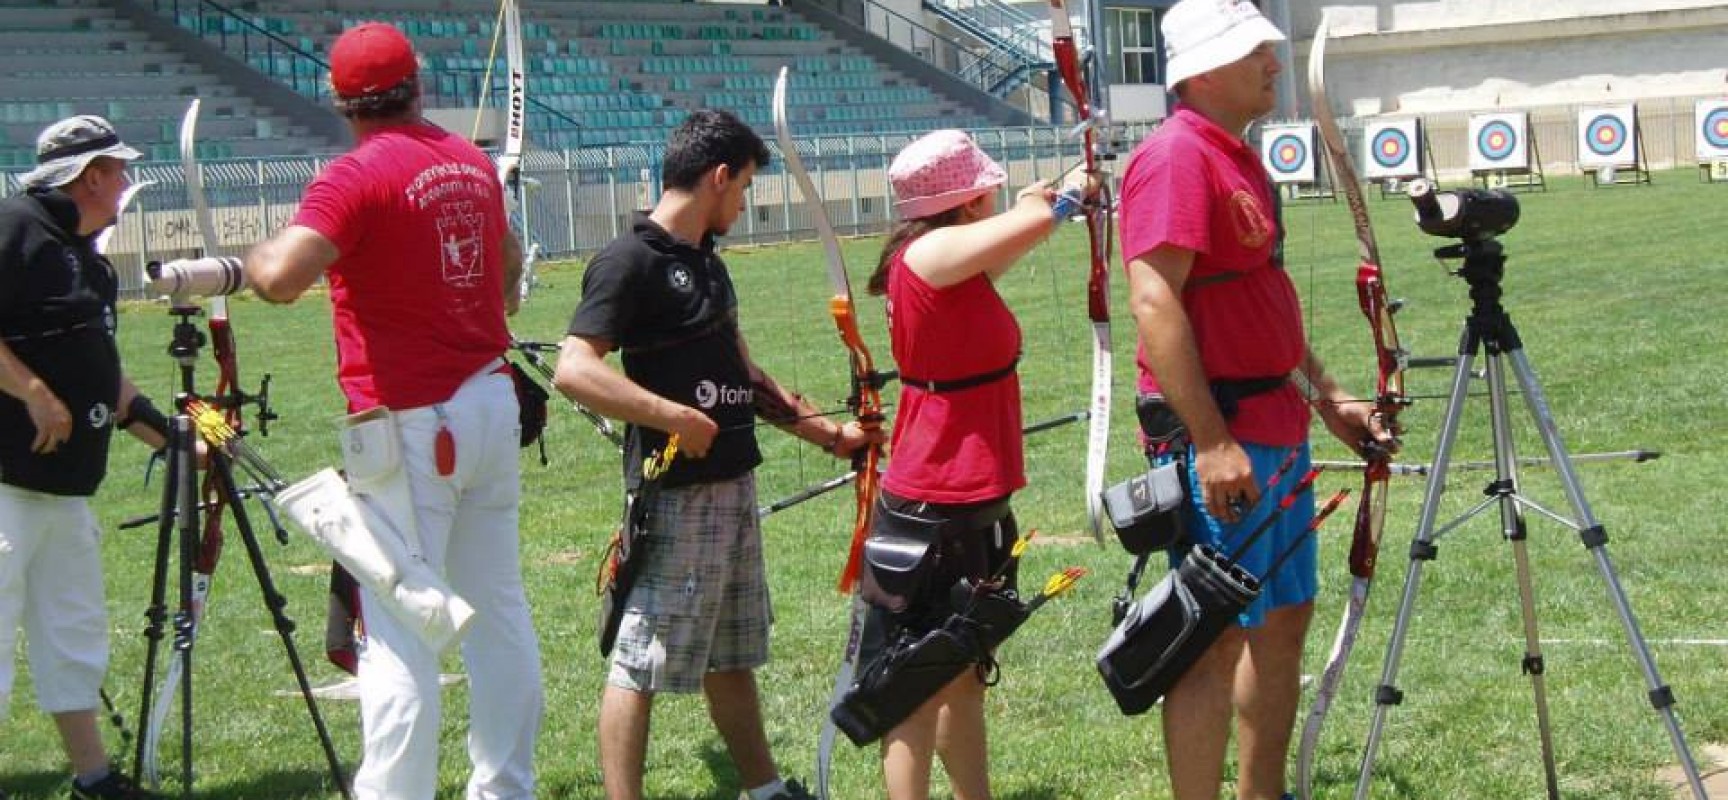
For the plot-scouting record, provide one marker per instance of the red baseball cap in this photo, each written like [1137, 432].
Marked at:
[370, 58]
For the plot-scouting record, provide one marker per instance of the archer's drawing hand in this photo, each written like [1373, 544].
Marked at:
[1227, 486]
[695, 432]
[53, 422]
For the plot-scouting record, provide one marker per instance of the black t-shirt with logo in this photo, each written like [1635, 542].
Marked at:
[670, 308]
[57, 316]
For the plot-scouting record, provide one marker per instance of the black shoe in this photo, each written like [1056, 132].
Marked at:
[794, 791]
[114, 787]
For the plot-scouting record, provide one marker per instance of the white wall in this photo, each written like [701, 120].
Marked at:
[1454, 55]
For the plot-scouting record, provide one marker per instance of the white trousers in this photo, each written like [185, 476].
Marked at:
[51, 583]
[468, 530]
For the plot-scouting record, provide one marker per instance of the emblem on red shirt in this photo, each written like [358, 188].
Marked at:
[1253, 229]
[460, 243]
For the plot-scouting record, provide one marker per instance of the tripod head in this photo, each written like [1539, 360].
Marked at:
[1473, 215]
[187, 341]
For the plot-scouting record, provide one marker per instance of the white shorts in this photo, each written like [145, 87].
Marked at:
[51, 584]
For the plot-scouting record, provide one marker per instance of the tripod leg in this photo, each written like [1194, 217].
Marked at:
[275, 602]
[1505, 488]
[188, 520]
[1422, 549]
[174, 462]
[1595, 539]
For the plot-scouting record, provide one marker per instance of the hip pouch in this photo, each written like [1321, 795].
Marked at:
[1146, 509]
[371, 449]
[1166, 631]
[901, 555]
[531, 400]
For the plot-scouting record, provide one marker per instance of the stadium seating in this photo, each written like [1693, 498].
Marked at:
[600, 71]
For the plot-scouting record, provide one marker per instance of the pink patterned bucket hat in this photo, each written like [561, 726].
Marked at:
[941, 170]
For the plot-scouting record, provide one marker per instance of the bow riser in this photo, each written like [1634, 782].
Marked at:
[1067, 58]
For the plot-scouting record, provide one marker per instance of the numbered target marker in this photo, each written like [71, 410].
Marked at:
[1288, 152]
[1498, 141]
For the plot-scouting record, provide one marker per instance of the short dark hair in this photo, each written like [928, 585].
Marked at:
[706, 139]
[394, 102]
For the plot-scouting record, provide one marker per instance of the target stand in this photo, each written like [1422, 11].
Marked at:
[1611, 146]
[1710, 139]
[1503, 152]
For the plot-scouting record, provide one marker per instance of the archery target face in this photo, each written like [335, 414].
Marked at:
[1712, 129]
[1393, 148]
[1288, 152]
[1607, 137]
[1497, 142]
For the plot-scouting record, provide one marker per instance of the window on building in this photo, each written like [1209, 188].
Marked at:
[1135, 56]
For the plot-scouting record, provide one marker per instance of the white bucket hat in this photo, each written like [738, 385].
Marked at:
[65, 148]
[1203, 35]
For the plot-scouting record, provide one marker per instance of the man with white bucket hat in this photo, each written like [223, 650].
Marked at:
[1221, 342]
[62, 394]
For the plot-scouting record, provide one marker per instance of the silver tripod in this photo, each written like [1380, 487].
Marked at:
[1477, 217]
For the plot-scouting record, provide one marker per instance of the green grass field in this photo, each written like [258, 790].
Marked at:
[1614, 291]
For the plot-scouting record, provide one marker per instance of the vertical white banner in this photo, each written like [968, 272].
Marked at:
[1498, 141]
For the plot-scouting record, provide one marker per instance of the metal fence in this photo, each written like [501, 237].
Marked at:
[581, 199]
[578, 199]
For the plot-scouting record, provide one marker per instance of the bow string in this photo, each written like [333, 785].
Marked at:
[865, 400]
[1390, 398]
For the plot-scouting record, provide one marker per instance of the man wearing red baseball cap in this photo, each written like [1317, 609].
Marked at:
[409, 228]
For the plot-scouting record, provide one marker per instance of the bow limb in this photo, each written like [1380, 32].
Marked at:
[866, 398]
[227, 393]
[221, 335]
[866, 405]
[1389, 399]
[1099, 239]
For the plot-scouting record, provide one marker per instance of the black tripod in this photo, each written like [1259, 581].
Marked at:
[181, 513]
[1477, 217]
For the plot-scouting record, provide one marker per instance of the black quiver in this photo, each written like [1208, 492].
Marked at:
[913, 668]
[1167, 630]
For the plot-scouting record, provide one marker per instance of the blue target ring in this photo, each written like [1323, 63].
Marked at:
[1716, 128]
[1605, 135]
[1496, 140]
[1391, 147]
[1288, 153]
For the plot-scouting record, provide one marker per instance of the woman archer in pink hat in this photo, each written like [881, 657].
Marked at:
[957, 442]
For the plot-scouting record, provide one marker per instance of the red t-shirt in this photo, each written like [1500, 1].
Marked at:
[1196, 186]
[962, 446]
[418, 291]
